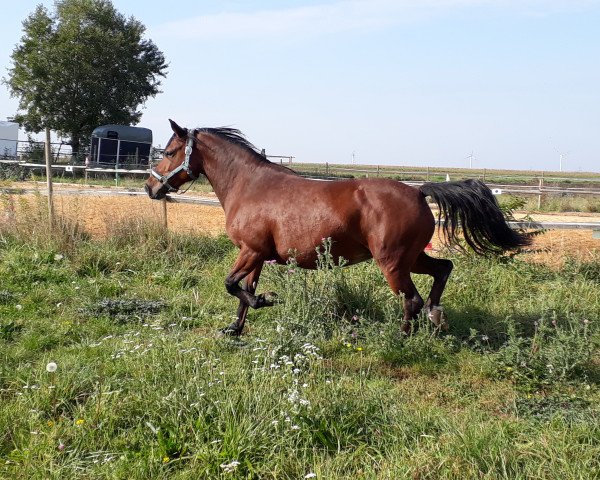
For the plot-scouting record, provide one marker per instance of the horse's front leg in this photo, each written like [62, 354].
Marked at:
[248, 265]
[249, 285]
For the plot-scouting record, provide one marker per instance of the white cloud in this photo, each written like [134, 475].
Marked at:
[339, 16]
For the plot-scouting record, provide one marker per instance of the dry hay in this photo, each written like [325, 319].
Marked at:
[554, 246]
[98, 213]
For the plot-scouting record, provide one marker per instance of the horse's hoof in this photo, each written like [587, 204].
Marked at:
[406, 327]
[438, 318]
[267, 299]
[231, 331]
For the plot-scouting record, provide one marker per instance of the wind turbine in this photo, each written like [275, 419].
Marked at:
[470, 157]
[561, 158]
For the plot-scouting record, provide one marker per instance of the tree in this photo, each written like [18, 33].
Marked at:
[83, 66]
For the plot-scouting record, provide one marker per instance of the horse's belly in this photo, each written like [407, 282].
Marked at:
[347, 253]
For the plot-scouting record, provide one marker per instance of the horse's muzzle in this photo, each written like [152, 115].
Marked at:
[156, 193]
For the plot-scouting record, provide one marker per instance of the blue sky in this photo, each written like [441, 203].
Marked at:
[396, 82]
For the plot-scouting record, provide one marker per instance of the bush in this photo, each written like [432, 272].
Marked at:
[13, 172]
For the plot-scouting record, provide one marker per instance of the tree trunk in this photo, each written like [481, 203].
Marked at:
[74, 144]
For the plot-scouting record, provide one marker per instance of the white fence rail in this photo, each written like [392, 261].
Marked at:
[194, 200]
[499, 189]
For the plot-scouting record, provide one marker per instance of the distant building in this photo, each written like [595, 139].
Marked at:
[9, 137]
[122, 144]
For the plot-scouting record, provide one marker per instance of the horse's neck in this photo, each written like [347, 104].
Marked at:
[230, 170]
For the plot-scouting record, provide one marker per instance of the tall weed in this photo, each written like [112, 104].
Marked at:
[558, 351]
[29, 223]
[316, 304]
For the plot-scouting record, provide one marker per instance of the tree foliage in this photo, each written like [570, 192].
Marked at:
[82, 66]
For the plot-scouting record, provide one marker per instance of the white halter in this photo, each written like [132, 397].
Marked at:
[185, 165]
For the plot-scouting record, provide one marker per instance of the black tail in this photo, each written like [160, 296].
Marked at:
[470, 205]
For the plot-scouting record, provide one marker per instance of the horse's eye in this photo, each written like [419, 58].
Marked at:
[169, 154]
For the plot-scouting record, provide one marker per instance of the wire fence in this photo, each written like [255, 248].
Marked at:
[19, 169]
[30, 154]
[427, 174]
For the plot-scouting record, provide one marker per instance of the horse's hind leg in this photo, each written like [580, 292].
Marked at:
[440, 270]
[249, 285]
[400, 282]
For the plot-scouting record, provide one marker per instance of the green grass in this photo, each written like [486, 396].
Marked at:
[407, 172]
[323, 383]
[586, 204]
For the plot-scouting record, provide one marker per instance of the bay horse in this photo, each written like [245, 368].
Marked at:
[272, 213]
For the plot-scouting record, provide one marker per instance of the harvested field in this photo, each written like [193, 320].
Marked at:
[97, 213]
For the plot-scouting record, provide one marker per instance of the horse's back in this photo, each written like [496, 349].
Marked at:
[394, 211]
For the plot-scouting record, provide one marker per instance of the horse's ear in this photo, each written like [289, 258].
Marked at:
[180, 132]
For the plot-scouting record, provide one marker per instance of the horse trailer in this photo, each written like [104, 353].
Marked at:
[120, 145]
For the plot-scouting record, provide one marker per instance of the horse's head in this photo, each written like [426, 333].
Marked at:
[180, 164]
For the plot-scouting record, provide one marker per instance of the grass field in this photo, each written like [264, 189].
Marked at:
[321, 386]
[438, 174]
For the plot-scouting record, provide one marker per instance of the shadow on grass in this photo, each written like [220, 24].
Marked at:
[490, 329]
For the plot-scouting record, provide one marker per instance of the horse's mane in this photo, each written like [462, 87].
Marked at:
[233, 135]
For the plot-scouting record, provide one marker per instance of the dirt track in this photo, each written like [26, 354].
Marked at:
[97, 213]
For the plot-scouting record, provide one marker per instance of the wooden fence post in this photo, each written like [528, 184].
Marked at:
[49, 178]
[117, 171]
[164, 213]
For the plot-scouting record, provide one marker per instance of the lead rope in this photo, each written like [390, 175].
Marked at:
[180, 192]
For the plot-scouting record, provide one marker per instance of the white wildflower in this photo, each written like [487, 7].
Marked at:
[230, 467]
